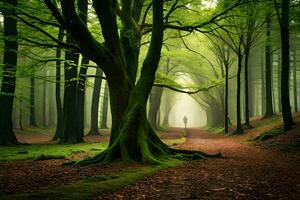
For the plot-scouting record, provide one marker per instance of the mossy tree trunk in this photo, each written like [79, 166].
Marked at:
[7, 136]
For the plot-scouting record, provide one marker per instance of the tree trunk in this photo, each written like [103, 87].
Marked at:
[268, 100]
[71, 133]
[103, 124]
[44, 99]
[226, 119]
[82, 7]
[94, 130]
[59, 109]
[239, 128]
[263, 86]
[32, 120]
[81, 95]
[279, 80]
[7, 136]
[285, 68]
[247, 112]
[154, 100]
[295, 81]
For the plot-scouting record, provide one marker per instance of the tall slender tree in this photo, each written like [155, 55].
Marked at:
[59, 109]
[104, 108]
[94, 130]
[32, 120]
[268, 71]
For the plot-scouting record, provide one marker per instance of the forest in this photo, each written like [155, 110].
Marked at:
[149, 99]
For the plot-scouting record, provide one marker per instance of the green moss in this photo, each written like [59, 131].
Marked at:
[90, 186]
[13, 153]
[176, 141]
[215, 130]
[269, 134]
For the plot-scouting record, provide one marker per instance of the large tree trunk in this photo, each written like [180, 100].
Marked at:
[154, 100]
[268, 100]
[81, 95]
[7, 136]
[59, 109]
[94, 130]
[285, 68]
[71, 133]
[82, 7]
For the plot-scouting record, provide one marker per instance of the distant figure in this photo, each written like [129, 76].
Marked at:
[185, 119]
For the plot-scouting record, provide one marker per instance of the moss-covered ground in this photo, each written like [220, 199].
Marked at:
[91, 186]
[36, 151]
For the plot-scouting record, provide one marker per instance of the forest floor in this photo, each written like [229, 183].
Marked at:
[249, 170]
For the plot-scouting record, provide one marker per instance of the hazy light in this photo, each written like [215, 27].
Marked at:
[185, 105]
[209, 3]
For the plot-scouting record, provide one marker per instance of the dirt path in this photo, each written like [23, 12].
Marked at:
[247, 172]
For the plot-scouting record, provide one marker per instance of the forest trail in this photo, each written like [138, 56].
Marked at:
[246, 172]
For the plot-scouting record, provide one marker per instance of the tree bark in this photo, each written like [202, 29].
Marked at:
[81, 94]
[295, 88]
[154, 100]
[247, 111]
[7, 136]
[59, 109]
[239, 128]
[268, 100]
[94, 130]
[285, 68]
[32, 120]
[103, 124]
[226, 119]
[71, 133]
[82, 7]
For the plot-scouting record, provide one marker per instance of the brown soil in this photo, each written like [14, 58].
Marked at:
[247, 172]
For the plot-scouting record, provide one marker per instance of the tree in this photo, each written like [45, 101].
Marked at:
[253, 24]
[7, 136]
[132, 138]
[154, 100]
[81, 79]
[268, 87]
[94, 130]
[32, 120]
[285, 64]
[59, 109]
[104, 108]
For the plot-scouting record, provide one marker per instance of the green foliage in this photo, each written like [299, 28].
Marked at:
[48, 151]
